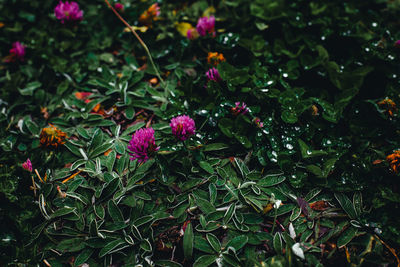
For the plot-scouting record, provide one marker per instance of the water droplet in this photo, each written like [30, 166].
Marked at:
[285, 75]
[390, 57]
[394, 76]
[374, 24]
[297, 18]
[323, 38]
[270, 82]
[99, 69]
[309, 152]
[366, 49]
[265, 90]
[289, 146]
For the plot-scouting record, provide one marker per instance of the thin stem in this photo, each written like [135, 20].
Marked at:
[139, 39]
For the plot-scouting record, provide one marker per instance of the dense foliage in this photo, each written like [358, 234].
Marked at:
[292, 160]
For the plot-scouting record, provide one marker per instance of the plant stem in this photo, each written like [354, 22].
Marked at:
[139, 39]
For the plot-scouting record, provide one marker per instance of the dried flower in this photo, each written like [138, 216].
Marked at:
[389, 105]
[27, 165]
[119, 7]
[150, 15]
[17, 52]
[213, 75]
[205, 25]
[68, 11]
[182, 127]
[214, 58]
[192, 34]
[394, 160]
[258, 122]
[142, 145]
[239, 109]
[51, 136]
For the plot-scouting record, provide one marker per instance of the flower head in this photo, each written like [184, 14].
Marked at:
[206, 25]
[240, 108]
[389, 105]
[142, 144]
[192, 34]
[214, 58]
[68, 11]
[394, 160]
[83, 96]
[150, 15]
[27, 165]
[52, 136]
[183, 127]
[119, 7]
[17, 52]
[397, 44]
[213, 75]
[258, 122]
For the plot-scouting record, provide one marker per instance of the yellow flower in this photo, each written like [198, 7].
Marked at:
[150, 15]
[51, 136]
[183, 27]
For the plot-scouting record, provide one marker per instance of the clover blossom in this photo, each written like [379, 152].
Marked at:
[27, 165]
[142, 145]
[213, 75]
[183, 127]
[150, 15]
[394, 160]
[206, 25]
[239, 109]
[68, 11]
[119, 7]
[17, 52]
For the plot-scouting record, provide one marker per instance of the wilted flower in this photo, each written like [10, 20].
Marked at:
[17, 52]
[68, 11]
[192, 34]
[27, 165]
[206, 25]
[142, 145]
[182, 127]
[150, 15]
[119, 7]
[51, 136]
[213, 75]
[258, 122]
[394, 160]
[389, 105]
[240, 108]
[214, 58]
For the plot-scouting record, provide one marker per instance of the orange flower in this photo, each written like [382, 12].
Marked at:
[150, 15]
[51, 136]
[394, 160]
[214, 58]
[389, 105]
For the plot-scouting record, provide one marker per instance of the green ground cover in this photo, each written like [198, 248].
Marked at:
[288, 156]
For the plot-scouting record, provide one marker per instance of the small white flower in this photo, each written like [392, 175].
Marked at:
[291, 231]
[277, 203]
[298, 251]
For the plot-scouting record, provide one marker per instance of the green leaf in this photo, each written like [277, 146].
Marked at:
[205, 260]
[346, 236]
[202, 245]
[30, 88]
[306, 152]
[346, 205]
[278, 243]
[188, 242]
[167, 263]
[205, 206]
[214, 242]
[114, 211]
[215, 147]
[229, 213]
[109, 247]
[226, 126]
[206, 166]
[238, 242]
[83, 256]
[271, 180]
[62, 212]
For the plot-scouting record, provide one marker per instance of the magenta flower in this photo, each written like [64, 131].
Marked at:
[119, 7]
[213, 75]
[142, 145]
[183, 127]
[239, 109]
[68, 11]
[17, 52]
[258, 122]
[27, 165]
[192, 34]
[206, 25]
[397, 44]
